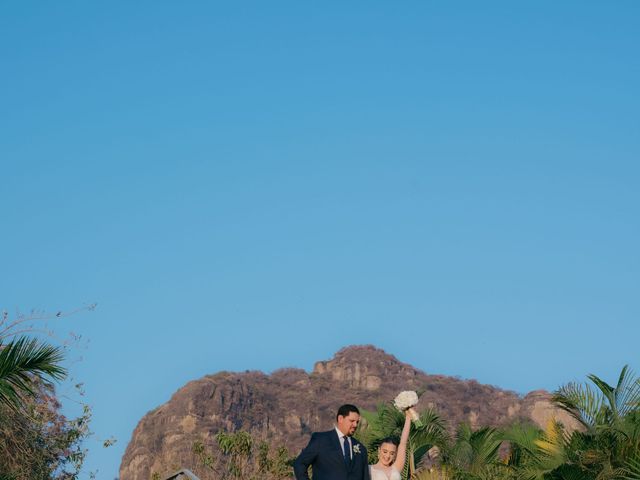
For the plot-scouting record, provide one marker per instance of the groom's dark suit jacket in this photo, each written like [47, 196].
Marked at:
[324, 455]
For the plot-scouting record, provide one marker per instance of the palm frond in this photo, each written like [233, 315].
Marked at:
[627, 392]
[21, 362]
[632, 469]
[474, 450]
[569, 472]
[485, 443]
[432, 432]
[582, 403]
[521, 438]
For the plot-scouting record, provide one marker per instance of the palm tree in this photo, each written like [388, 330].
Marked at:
[474, 454]
[25, 362]
[606, 447]
[603, 405]
[609, 446]
[549, 454]
[476, 448]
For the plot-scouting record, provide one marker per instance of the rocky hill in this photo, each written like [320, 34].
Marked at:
[287, 405]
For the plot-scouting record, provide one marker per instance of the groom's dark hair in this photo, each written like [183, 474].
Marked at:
[346, 409]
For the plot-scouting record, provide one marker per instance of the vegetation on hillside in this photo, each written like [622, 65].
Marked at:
[239, 455]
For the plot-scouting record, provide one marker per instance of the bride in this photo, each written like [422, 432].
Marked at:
[391, 454]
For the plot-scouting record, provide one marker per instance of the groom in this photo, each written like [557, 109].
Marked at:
[335, 455]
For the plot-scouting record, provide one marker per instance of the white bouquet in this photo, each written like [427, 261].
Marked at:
[406, 401]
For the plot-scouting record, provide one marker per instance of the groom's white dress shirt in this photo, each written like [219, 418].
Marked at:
[343, 438]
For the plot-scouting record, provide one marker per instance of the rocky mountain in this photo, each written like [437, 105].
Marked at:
[286, 406]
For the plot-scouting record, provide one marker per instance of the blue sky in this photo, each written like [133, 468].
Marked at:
[253, 185]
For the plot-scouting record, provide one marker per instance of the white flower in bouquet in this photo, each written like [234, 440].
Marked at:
[406, 401]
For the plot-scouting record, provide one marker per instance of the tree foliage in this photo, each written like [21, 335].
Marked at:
[239, 455]
[25, 362]
[607, 447]
[37, 442]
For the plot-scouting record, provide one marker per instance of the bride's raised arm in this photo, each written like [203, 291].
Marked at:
[404, 438]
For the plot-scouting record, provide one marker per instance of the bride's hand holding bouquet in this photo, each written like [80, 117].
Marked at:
[405, 402]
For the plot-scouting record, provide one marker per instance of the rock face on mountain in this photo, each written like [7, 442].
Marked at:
[287, 405]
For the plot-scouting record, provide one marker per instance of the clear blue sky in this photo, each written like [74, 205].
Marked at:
[252, 185]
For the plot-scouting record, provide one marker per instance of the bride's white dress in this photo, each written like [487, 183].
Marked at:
[380, 475]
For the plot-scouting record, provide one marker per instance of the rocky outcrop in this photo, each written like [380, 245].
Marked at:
[287, 405]
[538, 407]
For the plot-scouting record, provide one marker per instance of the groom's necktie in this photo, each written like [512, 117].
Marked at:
[347, 449]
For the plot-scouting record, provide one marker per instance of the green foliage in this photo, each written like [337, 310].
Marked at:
[235, 444]
[23, 362]
[238, 446]
[473, 450]
[38, 442]
[633, 469]
[238, 455]
[602, 405]
[607, 447]
[205, 459]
